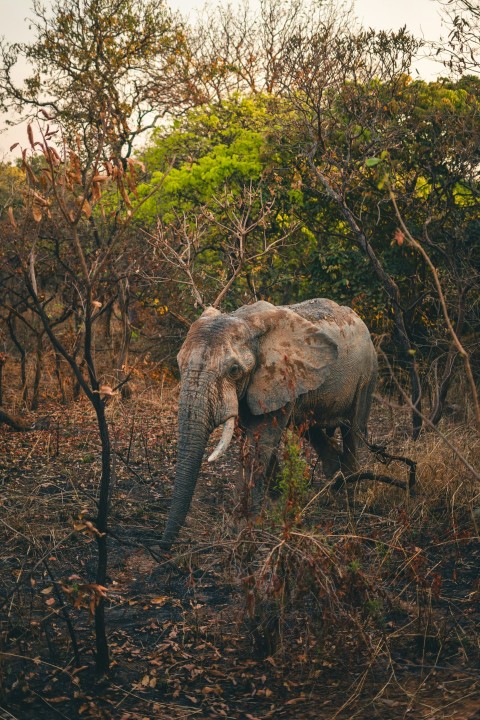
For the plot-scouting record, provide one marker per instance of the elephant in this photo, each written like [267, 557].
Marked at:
[266, 367]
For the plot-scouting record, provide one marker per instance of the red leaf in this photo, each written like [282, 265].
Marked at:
[30, 135]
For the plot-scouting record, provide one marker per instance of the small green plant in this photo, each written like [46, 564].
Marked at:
[88, 458]
[293, 480]
[374, 609]
[355, 567]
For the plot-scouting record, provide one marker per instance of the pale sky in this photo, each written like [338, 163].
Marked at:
[420, 16]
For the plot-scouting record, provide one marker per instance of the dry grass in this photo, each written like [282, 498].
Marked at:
[372, 575]
[364, 600]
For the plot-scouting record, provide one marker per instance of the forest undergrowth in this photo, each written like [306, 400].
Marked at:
[357, 604]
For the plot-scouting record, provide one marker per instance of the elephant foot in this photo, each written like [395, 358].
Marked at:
[327, 449]
[330, 467]
[160, 548]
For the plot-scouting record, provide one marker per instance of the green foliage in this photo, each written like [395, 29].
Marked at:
[12, 182]
[293, 480]
[214, 148]
[219, 164]
[421, 136]
[110, 76]
[197, 182]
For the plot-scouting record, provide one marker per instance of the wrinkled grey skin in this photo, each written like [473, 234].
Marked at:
[268, 366]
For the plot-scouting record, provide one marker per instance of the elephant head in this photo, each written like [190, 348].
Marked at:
[263, 354]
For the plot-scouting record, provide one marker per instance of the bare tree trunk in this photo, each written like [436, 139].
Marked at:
[77, 388]
[38, 372]
[23, 356]
[102, 660]
[91, 390]
[108, 323]
[122, 359]
[446, 381]
[58, 373]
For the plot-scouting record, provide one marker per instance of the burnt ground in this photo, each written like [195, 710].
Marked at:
[367, 607]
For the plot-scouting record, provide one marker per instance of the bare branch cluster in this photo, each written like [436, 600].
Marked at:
[240, 222]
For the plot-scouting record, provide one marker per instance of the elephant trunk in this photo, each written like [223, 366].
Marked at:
[201, 408]
[191, 447]
[195, 423]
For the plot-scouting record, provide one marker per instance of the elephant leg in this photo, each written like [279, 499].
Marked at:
[348, 458]
[263, 435]
[323, 443]
[353, 431]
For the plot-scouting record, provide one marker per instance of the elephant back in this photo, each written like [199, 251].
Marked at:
[319, 309]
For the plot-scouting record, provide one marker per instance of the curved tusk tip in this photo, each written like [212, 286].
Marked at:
[214, 456]
[227, 434]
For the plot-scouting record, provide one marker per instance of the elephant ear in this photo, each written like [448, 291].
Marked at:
[294, 357]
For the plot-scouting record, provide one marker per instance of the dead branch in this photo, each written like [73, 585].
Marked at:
[369, 475]
[180, 245]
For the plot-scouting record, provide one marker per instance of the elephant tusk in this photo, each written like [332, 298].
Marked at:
[227, 435]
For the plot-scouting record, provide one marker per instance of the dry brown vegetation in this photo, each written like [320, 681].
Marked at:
[356, 604]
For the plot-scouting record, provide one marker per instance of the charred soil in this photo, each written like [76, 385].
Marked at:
[364, 605]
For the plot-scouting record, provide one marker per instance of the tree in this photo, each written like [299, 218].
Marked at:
[424, 135]
[215, 170]
[238, 50]
[462, 50]
[356, 108]
[92, 62]
[68, 245]
[209, 273]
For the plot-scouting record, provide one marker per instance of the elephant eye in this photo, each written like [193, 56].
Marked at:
[235, 372]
